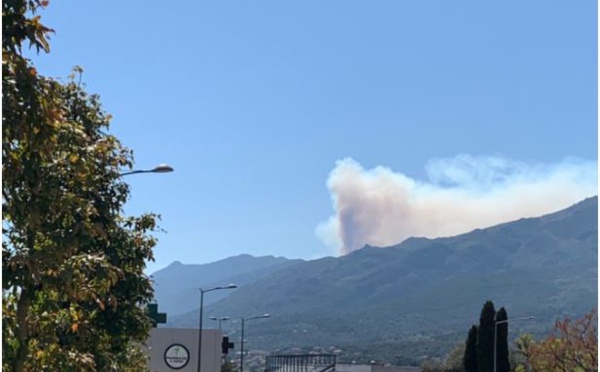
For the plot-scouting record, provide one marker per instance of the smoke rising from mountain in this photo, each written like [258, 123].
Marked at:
[381, 207]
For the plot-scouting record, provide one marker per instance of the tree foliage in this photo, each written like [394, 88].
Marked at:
[485, 338]
[502, 355]
[571, 347]
[523, 343]
[72, 264]
[478, 353]
[470, 356]
[228, 366]
[451, 363]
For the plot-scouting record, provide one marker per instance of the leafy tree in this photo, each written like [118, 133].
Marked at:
[470, 356]
[72, 264]
[432, 365]
[453, 361]
[485, 338]
[502, 357]
[228, 366]
[571, 347]
[524, 343]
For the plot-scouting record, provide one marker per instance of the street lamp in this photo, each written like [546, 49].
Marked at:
[161, 168]
[202, 291]
[496, 322]
[242, 341]
[219, 320]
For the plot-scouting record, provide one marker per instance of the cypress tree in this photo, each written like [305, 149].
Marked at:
[470, 357]
[502, 361]
[485, 338]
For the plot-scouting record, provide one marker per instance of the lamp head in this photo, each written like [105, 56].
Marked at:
[162, 168]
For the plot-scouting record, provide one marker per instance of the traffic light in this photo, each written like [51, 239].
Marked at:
[226, 345]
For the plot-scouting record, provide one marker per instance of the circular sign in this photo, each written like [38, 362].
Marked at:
[177, 356]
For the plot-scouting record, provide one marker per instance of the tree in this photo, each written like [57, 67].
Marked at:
[73, 284]
[432, 365]
[502, 357]
[524, 343]
[470, 356]
[485, 338]
[572, 346]
[228, 366]
[453, 361]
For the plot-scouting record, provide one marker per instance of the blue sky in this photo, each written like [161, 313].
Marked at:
[256, 103]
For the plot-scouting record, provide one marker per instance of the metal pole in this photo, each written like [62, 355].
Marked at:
[242, 349]
[496, 331]
[134, 172]
[242, 340]
[230, 286]
[200, 329]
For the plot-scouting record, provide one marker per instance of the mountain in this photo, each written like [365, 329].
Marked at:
[420, 296]
[176, 286]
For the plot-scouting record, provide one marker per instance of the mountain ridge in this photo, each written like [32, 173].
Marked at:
[427, 288]
[176, 286]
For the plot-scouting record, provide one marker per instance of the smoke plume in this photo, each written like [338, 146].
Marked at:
[381, 207]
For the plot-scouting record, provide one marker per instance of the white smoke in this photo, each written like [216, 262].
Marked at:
[381, 207]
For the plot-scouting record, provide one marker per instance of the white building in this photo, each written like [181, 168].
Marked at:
[176, 349]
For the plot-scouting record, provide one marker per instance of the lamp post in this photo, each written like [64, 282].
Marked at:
[161, 168]
[202, 291]
[242, 340]
[496, 322]
[219, 320]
